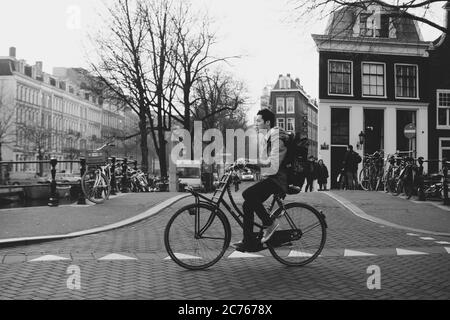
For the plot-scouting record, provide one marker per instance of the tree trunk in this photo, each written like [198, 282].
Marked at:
[144, 147]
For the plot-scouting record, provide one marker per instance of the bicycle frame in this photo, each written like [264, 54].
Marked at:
[238, 217]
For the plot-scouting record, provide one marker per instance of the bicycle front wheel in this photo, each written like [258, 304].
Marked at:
[301, 235]
[197, 236]
[95, 186]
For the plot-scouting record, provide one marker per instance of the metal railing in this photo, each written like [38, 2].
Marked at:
[53, 200]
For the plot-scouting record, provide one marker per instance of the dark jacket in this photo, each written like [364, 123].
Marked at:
[280, 177]
[311, 169]
[350, 163]
[322, 173]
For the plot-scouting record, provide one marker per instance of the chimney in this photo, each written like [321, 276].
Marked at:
[38, 66]
[280, 76]
[288, 75]
[12, 52]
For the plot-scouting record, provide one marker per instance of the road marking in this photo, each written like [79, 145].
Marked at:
[116, 256]
[237, 254]
[448, 249]
[427, 238]
[297, 253]
[442, 242]
[183, 256]
[413, 234]
[354, 253]
[404, 252]
[49, 257]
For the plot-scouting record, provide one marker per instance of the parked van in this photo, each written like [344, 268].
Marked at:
[189, 173]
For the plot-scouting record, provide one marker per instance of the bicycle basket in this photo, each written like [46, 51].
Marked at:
[96, 158]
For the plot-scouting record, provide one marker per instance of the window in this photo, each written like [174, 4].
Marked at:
[340, 125]
[290, 125]
[290, 103]
[443, 109]
[340, 77]
[280, 123]
[374, 25]
[280, 105]
[406, 81]
[373, 80]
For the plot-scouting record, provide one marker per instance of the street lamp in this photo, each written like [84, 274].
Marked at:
[362, 138]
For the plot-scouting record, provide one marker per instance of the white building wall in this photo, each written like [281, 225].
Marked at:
[356, 125]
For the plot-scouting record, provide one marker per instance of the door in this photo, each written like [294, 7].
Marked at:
[374, 130]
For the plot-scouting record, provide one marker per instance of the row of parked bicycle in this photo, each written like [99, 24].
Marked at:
[104, 176]
[402, 175]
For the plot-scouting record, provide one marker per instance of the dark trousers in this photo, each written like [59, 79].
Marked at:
[322, 184]
[309, 184]
[254, 198]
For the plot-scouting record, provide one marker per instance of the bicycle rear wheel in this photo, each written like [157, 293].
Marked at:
[95, 186]
[364, 179]
[301, 235]
[197, 236]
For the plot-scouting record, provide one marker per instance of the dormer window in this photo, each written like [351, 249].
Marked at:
[374, 25]
[285, 83]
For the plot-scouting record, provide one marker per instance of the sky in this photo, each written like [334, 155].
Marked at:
[263, 32]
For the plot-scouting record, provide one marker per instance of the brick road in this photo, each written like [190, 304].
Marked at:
[148, 275]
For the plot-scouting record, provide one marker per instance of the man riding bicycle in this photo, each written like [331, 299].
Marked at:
[275, 180]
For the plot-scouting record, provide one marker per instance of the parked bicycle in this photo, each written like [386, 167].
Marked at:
[198, 235]
[96, 181]
[371, 175]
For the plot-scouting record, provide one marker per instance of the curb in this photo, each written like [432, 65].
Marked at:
[150, 212]
[361, 214]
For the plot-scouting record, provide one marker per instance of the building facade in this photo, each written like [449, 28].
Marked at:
[51, 115]
[294, 110]
[439, 93]
[372, 84]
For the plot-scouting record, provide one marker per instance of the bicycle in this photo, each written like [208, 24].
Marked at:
[96, 181]
[198, 235]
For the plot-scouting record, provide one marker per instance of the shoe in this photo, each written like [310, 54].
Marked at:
[243, 247]
[269, 231]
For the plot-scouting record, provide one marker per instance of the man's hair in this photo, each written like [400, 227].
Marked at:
[350, 147]
[267, 115]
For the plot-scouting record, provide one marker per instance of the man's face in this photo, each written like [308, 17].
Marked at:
[260, 125]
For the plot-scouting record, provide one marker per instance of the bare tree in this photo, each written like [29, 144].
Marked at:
[417, 10]
[218, 96]
[193, 56]
[37, 141]
[121, 66]
[7, 123]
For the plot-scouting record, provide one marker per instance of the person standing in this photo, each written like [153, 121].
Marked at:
[311, 173]
[322, 175]
[350, 165]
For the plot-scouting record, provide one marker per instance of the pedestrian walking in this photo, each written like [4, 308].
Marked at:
[311, 173]
[350, 166]
[322, 175]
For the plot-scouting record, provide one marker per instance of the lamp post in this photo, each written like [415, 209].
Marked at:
[362, 138]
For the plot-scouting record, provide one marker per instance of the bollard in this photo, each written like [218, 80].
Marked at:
[445, 183]
[81, 197]
[125, 176]
[420, 179]
[53, 200]
[113, 176]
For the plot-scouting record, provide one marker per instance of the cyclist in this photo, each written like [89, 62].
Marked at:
[274, 174]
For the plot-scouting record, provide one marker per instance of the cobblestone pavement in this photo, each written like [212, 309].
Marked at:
[130, 263]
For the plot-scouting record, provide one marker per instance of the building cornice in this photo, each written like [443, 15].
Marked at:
[371, 45]
[366, 103]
